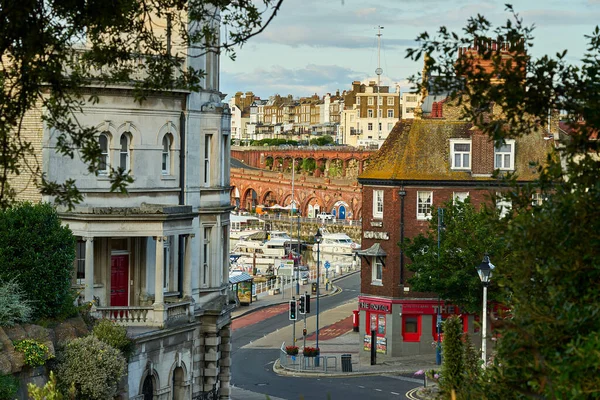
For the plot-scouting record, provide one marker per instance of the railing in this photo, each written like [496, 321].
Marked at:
[144, 315]
[320, 363]
[130, 316]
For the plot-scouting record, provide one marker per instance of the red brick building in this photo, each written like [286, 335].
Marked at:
[422, 164]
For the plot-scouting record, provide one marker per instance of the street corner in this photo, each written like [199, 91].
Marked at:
[423, 393]
[258, 315]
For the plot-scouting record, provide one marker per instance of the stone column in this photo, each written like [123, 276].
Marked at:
[159, 298]
[211, 362]
[89, 269]
[225, 362]
[187, 267]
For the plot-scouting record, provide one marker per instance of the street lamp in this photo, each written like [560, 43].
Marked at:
[318, 240]
[485, 273]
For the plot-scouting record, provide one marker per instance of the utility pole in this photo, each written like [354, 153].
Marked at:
[378, 71]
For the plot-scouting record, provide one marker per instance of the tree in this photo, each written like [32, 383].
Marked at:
[50, 50]
[38, 254]
[548, 347]
[467, 234]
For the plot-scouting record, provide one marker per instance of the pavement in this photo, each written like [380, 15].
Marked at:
[336, 337]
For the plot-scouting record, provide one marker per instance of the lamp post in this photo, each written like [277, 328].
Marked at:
[485, 273]
[373, 342]
[318, 239]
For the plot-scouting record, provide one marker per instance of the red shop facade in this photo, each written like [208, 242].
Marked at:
[405, 326]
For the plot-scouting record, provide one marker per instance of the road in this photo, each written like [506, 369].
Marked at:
[252, 369]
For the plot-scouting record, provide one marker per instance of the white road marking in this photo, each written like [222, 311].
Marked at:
[362, 387]
[397, 394]
[379, 390]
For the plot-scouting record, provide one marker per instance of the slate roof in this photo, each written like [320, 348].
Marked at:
[419, 150]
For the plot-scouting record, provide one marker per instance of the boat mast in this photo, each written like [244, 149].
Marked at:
[378, 71]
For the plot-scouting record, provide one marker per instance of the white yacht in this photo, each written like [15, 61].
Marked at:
[244, 225]
[337, 243]
[262, 250]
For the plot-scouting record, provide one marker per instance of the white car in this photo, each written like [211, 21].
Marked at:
[324, 217]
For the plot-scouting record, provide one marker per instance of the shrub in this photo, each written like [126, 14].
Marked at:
[14, 307]
[452, 367]
[113, 335]
[38, 252]
[310, 351]
[8, 387]
[49, 391]
[36, 353]
[292, 350]
[92, 366]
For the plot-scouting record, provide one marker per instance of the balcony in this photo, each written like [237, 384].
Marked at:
[147, 316]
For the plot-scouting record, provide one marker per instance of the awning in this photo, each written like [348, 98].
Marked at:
[373, 251]
[239, 278]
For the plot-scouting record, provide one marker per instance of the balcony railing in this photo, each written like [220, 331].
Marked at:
[145, 315]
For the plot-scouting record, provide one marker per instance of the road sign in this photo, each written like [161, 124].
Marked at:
[327, 264]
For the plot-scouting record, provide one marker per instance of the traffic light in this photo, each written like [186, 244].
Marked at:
[293, 315]
[307, 303]
[302, 305]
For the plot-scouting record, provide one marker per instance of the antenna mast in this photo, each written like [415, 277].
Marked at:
[378, 71]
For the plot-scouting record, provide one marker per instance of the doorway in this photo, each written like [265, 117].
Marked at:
[119, 280]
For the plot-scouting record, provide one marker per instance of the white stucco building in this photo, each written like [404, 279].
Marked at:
[156, 259]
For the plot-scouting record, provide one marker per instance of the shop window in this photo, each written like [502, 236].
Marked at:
[411, 328]
[377, 320]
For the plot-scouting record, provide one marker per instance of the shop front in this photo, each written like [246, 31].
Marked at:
[407, 327]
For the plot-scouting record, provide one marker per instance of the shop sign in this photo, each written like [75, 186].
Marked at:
[428, 308]
[376, 235]
[381, 344]
[374, 306]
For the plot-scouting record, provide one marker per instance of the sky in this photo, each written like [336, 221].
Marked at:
[320, 46]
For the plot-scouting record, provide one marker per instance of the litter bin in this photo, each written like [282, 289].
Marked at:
[346, 362]
[314, 288]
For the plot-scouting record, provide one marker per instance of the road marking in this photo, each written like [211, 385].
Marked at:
[362, 387]
[379, 390]
[397, 394]
[411, 394]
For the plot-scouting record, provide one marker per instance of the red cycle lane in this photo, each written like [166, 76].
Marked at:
[258, 316]
[333, 330]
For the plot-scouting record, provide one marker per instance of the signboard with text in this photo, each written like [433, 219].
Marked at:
[377, 306]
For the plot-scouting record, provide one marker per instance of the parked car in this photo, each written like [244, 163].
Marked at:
[325, 216]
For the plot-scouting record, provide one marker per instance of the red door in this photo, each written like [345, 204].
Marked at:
[119, 280]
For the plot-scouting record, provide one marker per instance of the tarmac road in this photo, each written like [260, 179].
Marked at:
[252, 368]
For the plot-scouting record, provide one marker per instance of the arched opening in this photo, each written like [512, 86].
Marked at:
[148, 388]
[178, 384]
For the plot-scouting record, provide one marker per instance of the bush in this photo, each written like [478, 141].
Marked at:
[49, 391]
[114, 335]
[36, 353]
[14, 307]
[92, 366]
[38, 253]
[452, 367]
[8, 387]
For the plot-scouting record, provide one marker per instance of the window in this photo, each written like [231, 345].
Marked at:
[351, 117]
[358, 101]
[460, 196]
[207, 147]
[166, 263]
[424, 203]
[390, 113]
[166, 155]
[376, 271]
[104, 154]
[377, 320]
[411, 99]
[390, 100]
[370, 113]
[504, 156]
[124, 153]
[460, 152]
[390, 126]
[377, 203]
[370, 126]
[380, 127]
[205, 256]
[370, 101]
[536, 199]
[379, 113]
[80, 261]
[411, 328]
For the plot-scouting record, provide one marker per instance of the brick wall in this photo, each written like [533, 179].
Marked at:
[390, 224]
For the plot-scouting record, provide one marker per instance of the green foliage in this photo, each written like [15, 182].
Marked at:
[452, 367]
[274, 142]
[92, 366]
[36, 353]
[471, 361]
[549, 340]
[123, 45]
[321, 141]
[309, 165]
[466, 236]
[8, 387]
[14, 307]
[114, 335]
[49, 391]
[38, 253]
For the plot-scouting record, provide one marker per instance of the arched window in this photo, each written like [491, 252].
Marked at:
[104, 154]
[166, 155]
[124, 153]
